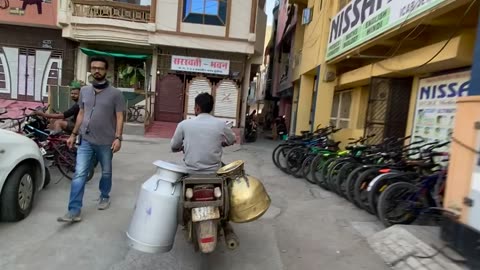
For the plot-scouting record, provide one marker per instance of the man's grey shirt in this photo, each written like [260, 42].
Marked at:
[100, 118]
[202, 139]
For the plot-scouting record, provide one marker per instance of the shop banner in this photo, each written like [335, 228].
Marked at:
[41, 13]
[362, 20]
[436, 106]
[200, 65]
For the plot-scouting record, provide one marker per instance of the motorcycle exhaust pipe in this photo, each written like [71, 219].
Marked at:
[231, 239]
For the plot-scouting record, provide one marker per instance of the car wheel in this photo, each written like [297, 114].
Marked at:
[47, 178]
[16, 200]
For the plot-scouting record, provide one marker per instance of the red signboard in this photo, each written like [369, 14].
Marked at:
[41, 13]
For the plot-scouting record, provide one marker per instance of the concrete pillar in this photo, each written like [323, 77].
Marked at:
[150, 102]
[244, 94]
[461, 170]
[324, 100]
[81, 67]
[304, 107]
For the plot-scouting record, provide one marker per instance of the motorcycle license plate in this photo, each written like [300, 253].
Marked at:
[43, 151]
[205, 213]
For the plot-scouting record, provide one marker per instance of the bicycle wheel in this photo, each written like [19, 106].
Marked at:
[399, 204]
[307, 169]
[65, 159]
[350, 185]
[316, 168]
[360, 189]
[281, 157]
[131, 114]
[295, 158]
[380, 185]
[342, 177]
[274, 155]
[140, 115]
[324, 173]
[332, 175]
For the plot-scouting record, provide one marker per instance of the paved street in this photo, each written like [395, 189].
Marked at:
[306, 227]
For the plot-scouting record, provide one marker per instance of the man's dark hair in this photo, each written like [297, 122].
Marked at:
[99, 59]
[205, 102]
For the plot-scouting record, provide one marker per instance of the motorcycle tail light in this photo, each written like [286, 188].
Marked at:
[384, 171]
[203, 194]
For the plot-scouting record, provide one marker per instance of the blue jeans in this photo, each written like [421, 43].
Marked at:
[85, 153]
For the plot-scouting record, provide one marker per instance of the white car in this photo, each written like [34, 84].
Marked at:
[22, 175]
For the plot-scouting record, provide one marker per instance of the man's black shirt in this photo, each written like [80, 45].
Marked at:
[72, 112]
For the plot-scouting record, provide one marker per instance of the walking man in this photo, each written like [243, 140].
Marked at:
[98, 130]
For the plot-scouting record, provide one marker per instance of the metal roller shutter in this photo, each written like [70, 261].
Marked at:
[197, 85]
[226, 99]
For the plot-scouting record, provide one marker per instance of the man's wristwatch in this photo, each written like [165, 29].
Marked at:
[74, 134]
[119, 138]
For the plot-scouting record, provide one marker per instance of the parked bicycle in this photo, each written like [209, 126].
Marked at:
[398, 182]
[136, 114]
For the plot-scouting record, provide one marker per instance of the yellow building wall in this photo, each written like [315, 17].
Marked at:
[304, 103]
[454, 55]
[298, 44]
[311, 55]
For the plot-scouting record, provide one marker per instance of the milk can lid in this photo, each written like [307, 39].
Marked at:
[171, 166]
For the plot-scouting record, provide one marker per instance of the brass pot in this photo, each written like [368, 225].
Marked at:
[248, 198]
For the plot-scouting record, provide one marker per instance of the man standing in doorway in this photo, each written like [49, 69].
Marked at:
[98, 130]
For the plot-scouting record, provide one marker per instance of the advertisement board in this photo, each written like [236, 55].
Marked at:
[436, 106]
[362, 20]
[41, 13]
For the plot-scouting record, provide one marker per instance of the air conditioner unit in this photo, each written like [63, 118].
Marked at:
[307, 16]
[330, 76]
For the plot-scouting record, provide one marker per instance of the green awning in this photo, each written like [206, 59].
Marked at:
[91, 52]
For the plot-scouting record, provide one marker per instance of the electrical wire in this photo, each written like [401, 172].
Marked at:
[452, 35]
[462, 144]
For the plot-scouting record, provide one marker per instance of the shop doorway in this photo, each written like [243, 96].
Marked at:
[388, 106]
[169, 99]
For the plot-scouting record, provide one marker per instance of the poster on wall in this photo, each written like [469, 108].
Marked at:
[436, 106]
[29, 12]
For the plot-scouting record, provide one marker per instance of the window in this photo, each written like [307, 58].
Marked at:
[211, 12]
[3, 75]
[53, 74]
[340, 116]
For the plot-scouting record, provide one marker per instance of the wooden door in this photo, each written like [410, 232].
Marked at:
[169, 98]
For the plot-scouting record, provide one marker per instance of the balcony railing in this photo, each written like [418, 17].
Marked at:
[111, 10]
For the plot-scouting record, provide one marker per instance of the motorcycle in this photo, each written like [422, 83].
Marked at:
[281, 126]
[204, 204]
[251, 128]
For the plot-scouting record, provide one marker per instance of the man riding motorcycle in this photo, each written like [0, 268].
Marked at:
[65, 121]
[202, 138]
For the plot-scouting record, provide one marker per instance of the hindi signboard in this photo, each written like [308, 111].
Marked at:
[200, 65]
